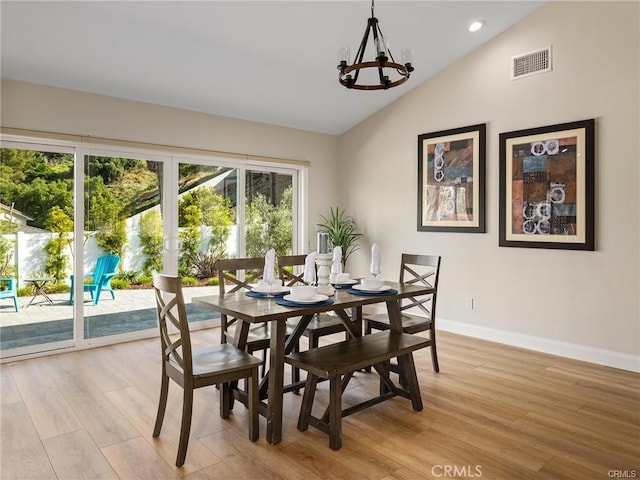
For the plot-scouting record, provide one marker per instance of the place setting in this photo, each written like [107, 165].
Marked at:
[304, 296]
[268, 286]
[372, 286]
[338, 278]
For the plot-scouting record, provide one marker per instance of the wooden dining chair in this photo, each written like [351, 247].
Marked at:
[322, 324]
[418, 314]
[191, 369]
[231, 280]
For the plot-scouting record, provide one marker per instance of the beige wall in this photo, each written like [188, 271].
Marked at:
[579, 304]
[36, 107]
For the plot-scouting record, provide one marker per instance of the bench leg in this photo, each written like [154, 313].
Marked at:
[253, 400]
[225, 400]
[307, 402]
[386, 367]
[408, 369]
[335, 413]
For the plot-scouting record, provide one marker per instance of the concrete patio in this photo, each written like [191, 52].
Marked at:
[42, 322]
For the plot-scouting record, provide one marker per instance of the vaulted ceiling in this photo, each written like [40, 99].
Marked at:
[266, 61]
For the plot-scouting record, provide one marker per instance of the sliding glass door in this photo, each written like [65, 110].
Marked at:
[122, 243]
[36, 247]
[81, 230]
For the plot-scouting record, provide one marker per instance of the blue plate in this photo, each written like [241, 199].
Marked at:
[264, 295]
[362, 293]
[343, 286]
[289, 303]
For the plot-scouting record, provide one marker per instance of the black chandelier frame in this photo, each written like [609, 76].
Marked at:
[381, 62]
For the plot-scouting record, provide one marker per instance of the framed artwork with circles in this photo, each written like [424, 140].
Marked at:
[547, 187]
[451, 180]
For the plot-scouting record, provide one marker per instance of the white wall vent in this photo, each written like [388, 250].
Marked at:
[531, 63]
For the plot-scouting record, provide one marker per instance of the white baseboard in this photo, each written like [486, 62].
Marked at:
[609, 358]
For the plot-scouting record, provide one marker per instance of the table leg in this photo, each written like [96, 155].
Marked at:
[39, 290]
[276, 381]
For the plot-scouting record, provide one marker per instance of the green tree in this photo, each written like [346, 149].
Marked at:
[190, 237]
[268, 226]
[151, 238]
[61, 226]
[104, 213]
[7, 249]
[216, 212]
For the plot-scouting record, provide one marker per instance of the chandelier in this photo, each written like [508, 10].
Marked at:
[389, 74]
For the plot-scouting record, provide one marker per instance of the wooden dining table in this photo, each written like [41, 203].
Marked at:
[251, 310]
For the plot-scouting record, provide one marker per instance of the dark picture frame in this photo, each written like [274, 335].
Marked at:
[547, 187]
[451, 180]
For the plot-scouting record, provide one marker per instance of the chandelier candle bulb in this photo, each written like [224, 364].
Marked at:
[343, 55]
[407, 56]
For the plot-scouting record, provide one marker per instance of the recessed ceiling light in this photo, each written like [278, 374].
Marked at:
[477, 25]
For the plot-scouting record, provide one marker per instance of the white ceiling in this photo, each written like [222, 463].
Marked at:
[265, 61]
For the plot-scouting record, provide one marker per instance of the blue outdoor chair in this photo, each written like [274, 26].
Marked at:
[102, 275]
[11, 291]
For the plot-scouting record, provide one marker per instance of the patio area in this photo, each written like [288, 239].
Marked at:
[132, 310]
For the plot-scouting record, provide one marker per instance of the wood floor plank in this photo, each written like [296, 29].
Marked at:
[8, 390]
[75, 455]
[579, 436]
[267, 460]
[104, 423]
[49, 411]
[22, 455]
[135, 458]
[140, 411]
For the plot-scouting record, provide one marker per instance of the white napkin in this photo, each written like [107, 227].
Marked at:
[375, 260]
[309, 276]
[269, 262]
[336, 262]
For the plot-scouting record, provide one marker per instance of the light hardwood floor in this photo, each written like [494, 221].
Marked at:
[493, 412]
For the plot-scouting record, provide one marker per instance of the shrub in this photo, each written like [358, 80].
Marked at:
[213, 282]
[58, 288]
[25, 291]
[120, 283]
[129, 276]
[189, 281]
[205, 264]
[144, 280]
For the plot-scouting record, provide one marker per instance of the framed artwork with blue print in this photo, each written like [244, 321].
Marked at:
[451, 180]
[547, 187]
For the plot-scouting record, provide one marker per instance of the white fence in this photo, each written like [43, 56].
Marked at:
[29, 255]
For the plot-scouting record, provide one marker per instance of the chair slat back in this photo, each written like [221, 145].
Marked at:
[421, 270]
[105, 265]
[10, 284]
[287, 270]
[171, 310]
[228, 273]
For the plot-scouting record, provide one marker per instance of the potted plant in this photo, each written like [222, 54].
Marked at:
[342, 232]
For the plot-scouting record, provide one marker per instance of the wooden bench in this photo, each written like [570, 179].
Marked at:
[337, 362]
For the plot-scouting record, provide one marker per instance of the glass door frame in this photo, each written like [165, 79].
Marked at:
[38, 145]
[171, 161]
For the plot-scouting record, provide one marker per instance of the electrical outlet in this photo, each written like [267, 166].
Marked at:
[469, 303]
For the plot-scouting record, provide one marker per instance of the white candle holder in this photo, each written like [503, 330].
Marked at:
[324, 270]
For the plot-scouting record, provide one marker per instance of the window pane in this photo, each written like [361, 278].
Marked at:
[36, 236]
[123, 243]
[269, 213]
